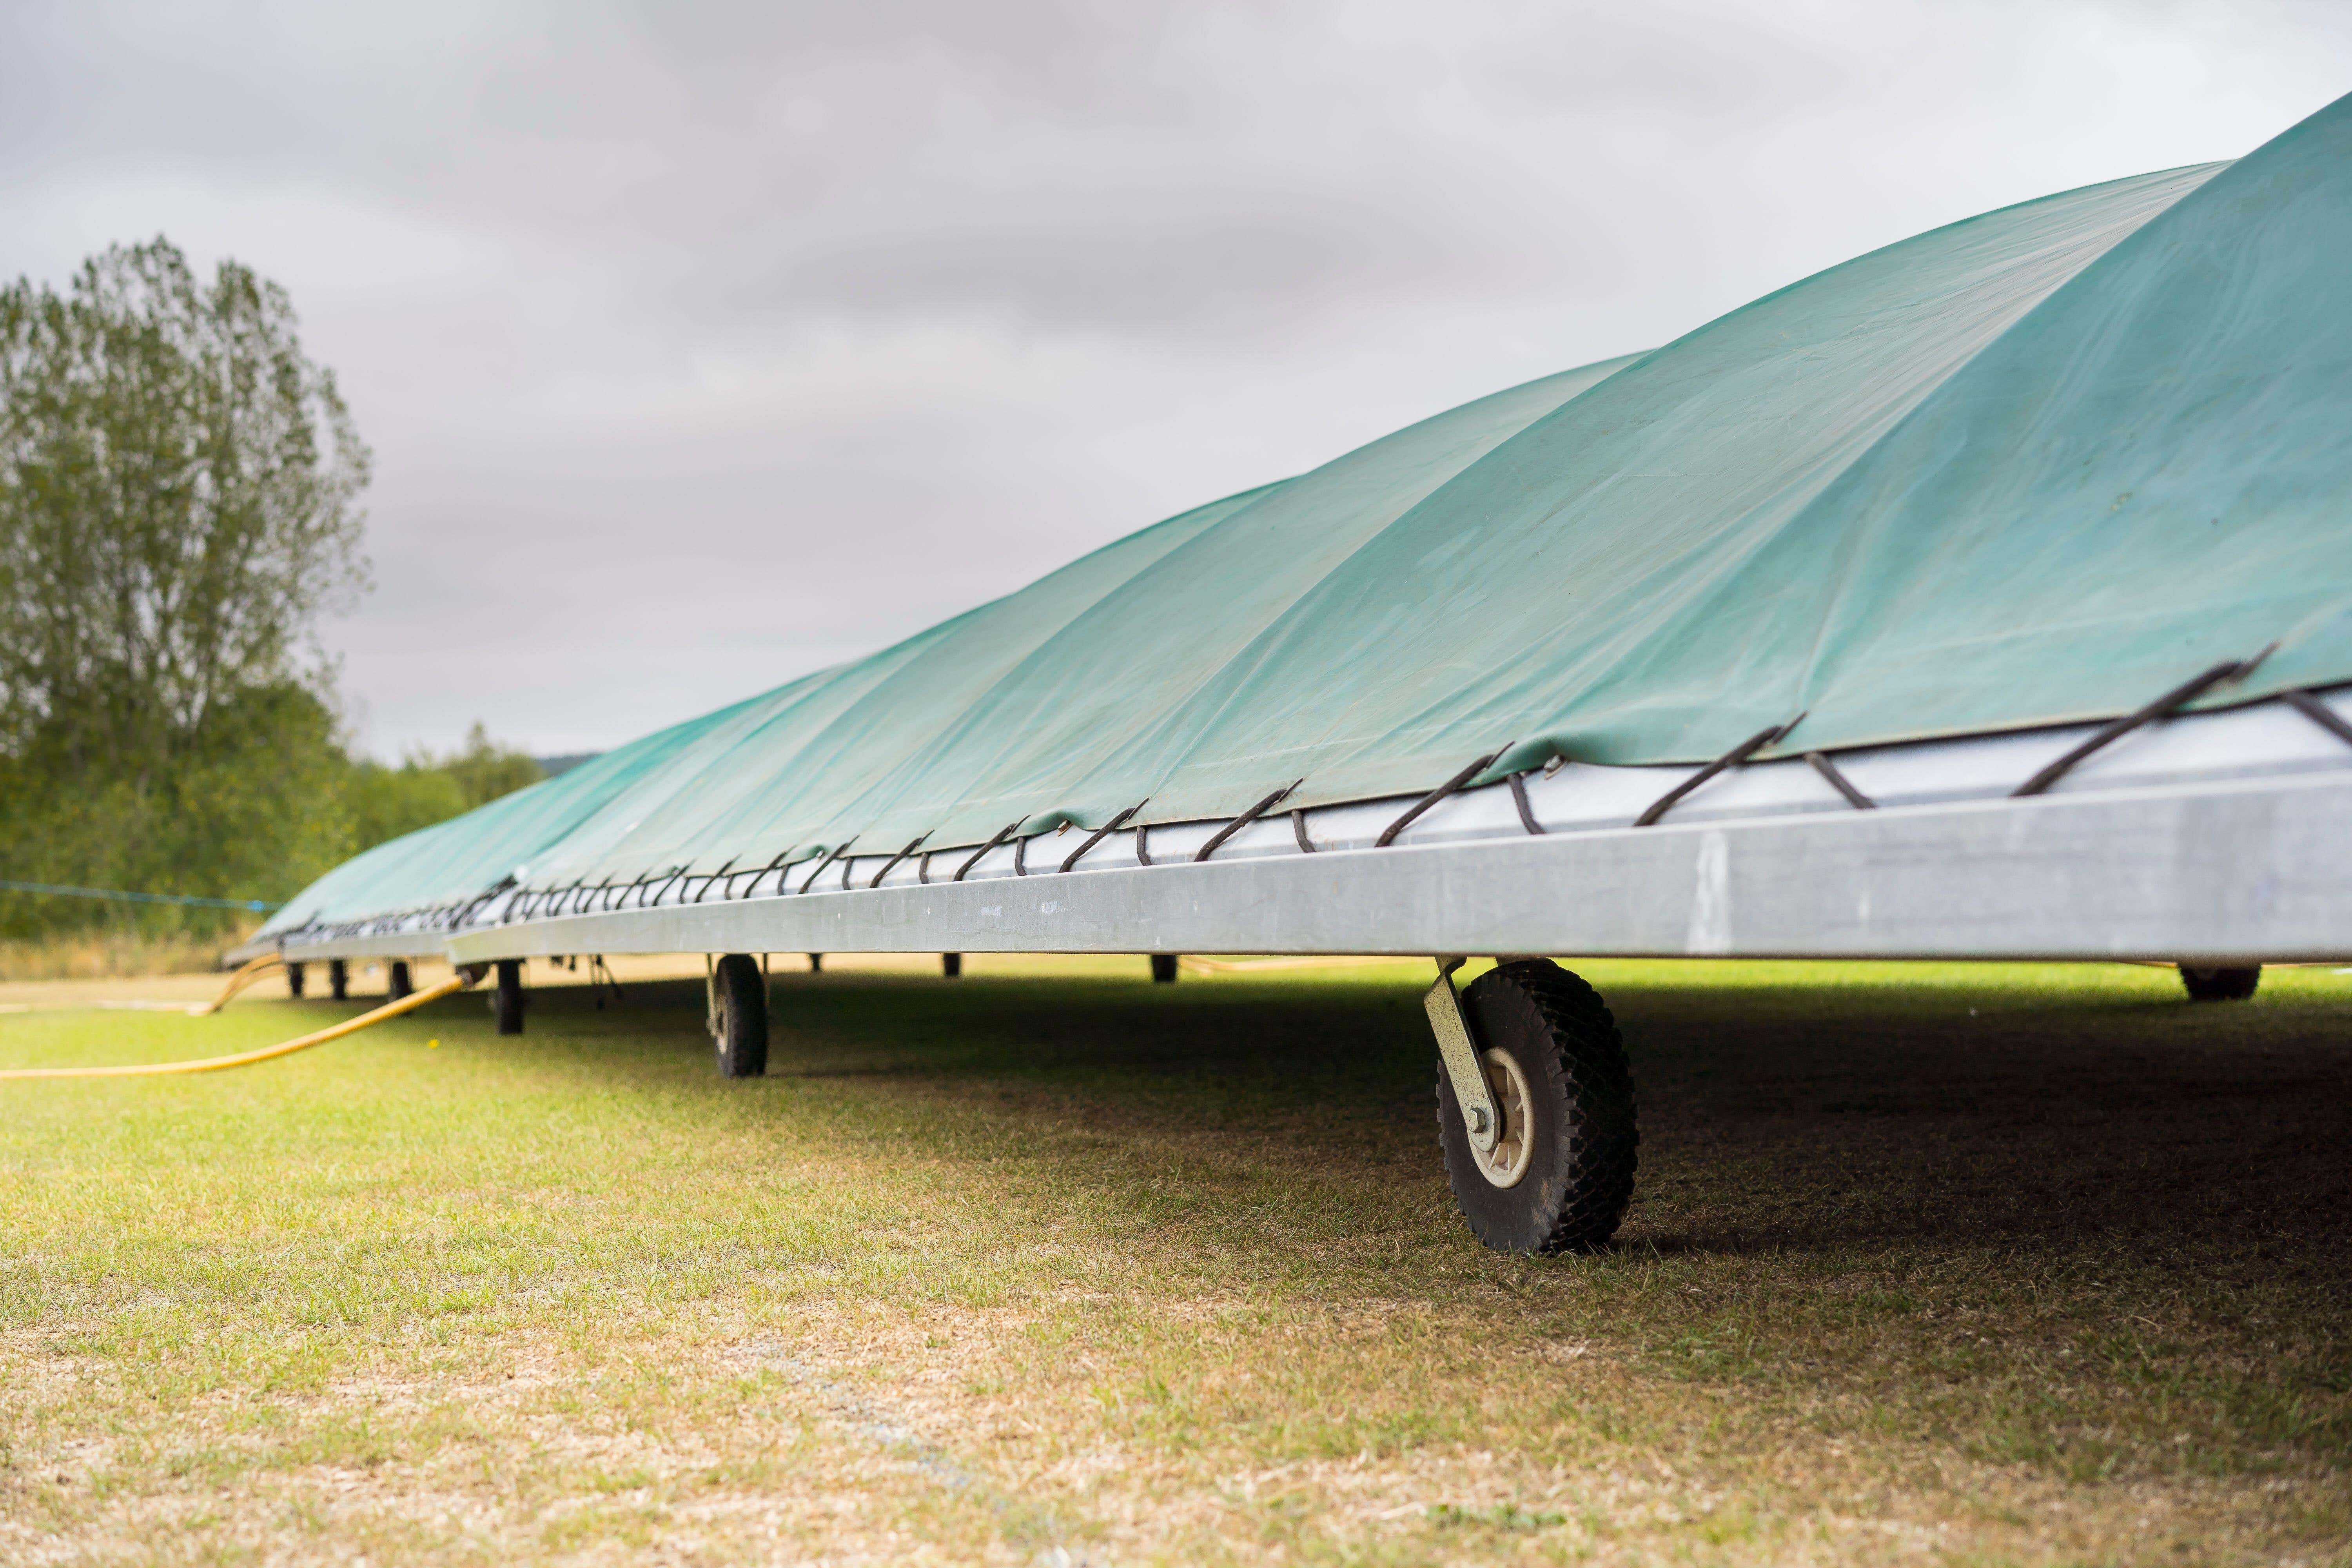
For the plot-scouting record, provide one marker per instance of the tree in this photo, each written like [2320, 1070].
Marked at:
[179, 490]
[388, 802]
[485, 770]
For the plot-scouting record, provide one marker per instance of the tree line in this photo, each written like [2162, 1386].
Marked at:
[179, 505]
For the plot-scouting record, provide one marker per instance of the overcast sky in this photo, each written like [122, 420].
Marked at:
[701, 346]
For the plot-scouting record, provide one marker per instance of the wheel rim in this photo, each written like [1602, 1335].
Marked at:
[1505, 1165]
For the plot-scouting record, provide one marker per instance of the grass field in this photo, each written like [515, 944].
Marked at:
[1926, 1264]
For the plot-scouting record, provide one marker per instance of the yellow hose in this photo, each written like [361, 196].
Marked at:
[409, 1003]
[240, 979]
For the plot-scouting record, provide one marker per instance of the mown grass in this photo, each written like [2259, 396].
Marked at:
[1964, 1264]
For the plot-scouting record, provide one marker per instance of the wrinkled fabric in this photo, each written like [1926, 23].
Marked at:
[2030, 468]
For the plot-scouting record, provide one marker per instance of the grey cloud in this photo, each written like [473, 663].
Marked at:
[704, 343]
[1147, 257]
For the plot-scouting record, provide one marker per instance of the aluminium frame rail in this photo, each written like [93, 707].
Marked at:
[2236, 874]
[2223, 836]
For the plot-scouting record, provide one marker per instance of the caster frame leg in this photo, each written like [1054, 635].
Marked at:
[1557, 1173]
[506, 997]
[2219, 984]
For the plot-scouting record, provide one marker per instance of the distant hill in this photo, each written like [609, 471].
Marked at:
[551, 766]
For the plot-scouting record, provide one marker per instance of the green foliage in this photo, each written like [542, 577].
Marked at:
[388, 802]
[179, 490]
[484, 770]
[252, 798]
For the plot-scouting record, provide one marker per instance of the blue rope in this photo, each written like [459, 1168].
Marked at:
[254, 904]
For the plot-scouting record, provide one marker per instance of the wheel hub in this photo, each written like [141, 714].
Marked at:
[1506, 1163]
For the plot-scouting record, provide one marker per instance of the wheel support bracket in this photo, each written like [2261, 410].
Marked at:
[1480, 1117]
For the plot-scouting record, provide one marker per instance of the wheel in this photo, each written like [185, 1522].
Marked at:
[2220, 984]
[739, 1018]
[1562, 1173]
[506, 998]
[339, 979]
[398, 984]
[951, 964]
[294, 981]
[1163, 968]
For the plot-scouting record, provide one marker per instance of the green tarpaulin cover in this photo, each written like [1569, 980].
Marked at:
[2030, 468]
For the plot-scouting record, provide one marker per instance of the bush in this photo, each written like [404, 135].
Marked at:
[179, 492]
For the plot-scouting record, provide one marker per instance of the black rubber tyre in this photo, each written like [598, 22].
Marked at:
[294, 981]
[2220, 984]
[398, 984]
[505, 997]
[1163, 969]
[951, 964]
[1579, 1126]
[739, 1021]
[339, 979]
